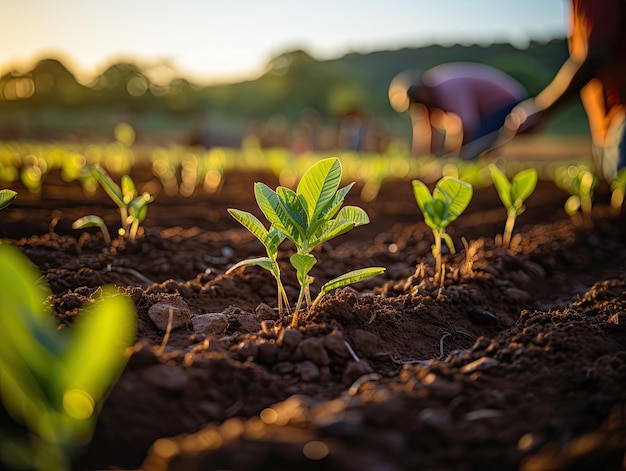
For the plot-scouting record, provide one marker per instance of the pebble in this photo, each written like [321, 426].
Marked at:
[308, 370]
[366, 343]
[264, 312]
[313, 349]
[159, 313]
[212, 323]
[481, 364]
[336, 345]
[355, 370]
[289, 338]
[619, 318]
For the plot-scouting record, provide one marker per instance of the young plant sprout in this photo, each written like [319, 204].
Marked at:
[448, 200]
[618, 190]
[93, 221]
[133, 208]
[6, 197]
[308, 217]
[513, 194]
[54, 380]
[271, 240]
[581, 200]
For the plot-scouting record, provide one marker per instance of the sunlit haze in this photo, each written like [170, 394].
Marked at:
[209, 41]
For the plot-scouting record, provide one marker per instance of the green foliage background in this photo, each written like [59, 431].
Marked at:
[48, 101]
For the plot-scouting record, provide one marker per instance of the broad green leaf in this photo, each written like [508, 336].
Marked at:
[272, 241]
[109, 186]
[30, 344]
[348, 218]
[353, 214]
[522, 186]
[96, 355]
[421, 193]
[270, 206]
[503, 186]
[129, 191]
[292, 206]
[434, 213]
[330, 210]
[330, 230]
[250, 222]
[88, 221]
[318, 185]
[351, 277]
[303, 264]
[263, 262]
[456, 194]
[6, 197]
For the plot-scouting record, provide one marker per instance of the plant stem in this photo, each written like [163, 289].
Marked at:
[437, 254]
[294, 321]
[508, 227]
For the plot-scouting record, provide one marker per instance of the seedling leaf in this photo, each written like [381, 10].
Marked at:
[129, 191]
[250, 222]
[456, 194]
[6, 197]
[318, 186]
[263, 262]
[502, 184]
[96, 354]
[303, 264]
[350, 277]
[110, 187]
[522, 186]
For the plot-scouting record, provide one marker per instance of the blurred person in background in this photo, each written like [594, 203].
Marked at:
[455, 107]
[595, 69]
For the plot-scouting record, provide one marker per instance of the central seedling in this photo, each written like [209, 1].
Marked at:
[449, 199]
[133, 207]
[308, 217]
[513, 194]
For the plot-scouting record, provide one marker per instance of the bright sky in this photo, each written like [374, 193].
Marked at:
[209, 40]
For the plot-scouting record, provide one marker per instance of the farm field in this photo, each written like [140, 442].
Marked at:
[517, 362]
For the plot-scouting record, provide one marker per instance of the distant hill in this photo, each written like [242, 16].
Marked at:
[294, 84]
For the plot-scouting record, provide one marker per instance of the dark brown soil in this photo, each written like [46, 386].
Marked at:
[518, 362]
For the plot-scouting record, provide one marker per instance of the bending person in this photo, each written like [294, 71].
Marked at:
[454, 104]
[595, 69]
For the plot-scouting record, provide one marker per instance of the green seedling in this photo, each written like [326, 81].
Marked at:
[513, 193]
[6, 197]
[54, 379]
[618, 190]
[133, 207]
[271, 240]
[93, 221]
[581, 187]
[448, 200]
[310, 216]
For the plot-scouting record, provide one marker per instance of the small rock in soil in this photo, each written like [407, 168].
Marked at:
[159, 313]
[308, 370]
[336, 345]
[212, 323]
[365, 343]
[481, 364]
[264, 312]
[289, 338]
[355, 370]
[313, 349]
[619, 318]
